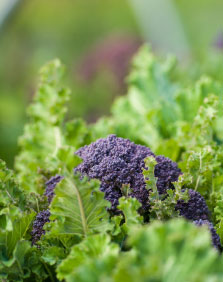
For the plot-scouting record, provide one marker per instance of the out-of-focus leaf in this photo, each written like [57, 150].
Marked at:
[9, 190]
[42, 135]
[92, 260]
[162, 252]
[19, 228]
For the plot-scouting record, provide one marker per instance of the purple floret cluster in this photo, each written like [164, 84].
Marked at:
[37, 231]
[43, 216]
[195, 208]
[166, 172]
[116, 161]
[50, 185]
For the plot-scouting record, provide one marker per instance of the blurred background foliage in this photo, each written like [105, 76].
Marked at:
[96, 40]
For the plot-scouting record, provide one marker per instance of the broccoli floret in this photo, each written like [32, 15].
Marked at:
[116, 161]
[43, 216]
[37, 231]
[50, 186]
[195, 208]
[166, 172]
[215, 237]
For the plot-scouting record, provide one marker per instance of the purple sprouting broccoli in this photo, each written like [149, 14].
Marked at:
[50, 186]
[195, 208]
[116, 161]
[166, 172]
[37, 231]
[215, 237]
[43, 216]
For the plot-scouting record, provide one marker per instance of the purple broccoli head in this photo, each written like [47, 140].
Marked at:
[116, 161]
[166, 172]
[195, 208]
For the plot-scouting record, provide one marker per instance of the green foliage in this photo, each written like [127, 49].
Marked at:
[158, 252]
[83, 240]
[129, 207]
[47, 141]
[162, 206]
[149, 98]
[15, 219]
[92, 260]
[163, 252]
[42, 136]
[78, 208]
[10, 194]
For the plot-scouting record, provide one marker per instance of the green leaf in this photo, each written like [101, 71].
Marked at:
[15, 268]
[129, 207]
[172, 251]
[24, 265]
[148, 110]
[78, 207]
[162, 207]
[202, 159]
[77, 133]
[52, 254]
[149, 176]
[9, 190]
[42, 135]
[92, 260]
[9, 238]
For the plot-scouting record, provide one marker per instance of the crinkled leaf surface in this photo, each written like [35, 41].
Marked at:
[171, 251]
[92, 260]
[42, 135]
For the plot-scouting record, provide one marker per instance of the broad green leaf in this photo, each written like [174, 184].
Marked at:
[78, 207]
[9, 238]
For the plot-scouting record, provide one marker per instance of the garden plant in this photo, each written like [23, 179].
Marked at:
[135, 196]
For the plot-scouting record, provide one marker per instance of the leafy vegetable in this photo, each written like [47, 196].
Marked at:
[87, 204]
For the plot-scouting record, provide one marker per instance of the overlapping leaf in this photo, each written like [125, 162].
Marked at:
[92, 260]
[78, 208]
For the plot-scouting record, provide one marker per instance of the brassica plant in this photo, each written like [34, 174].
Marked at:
[137, 196]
